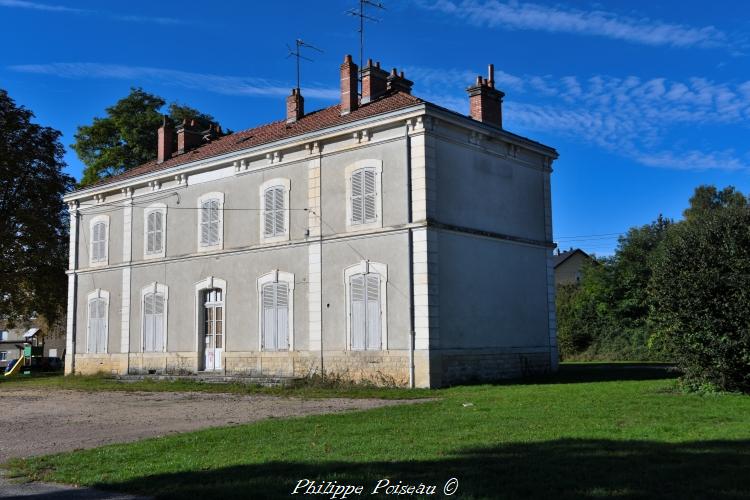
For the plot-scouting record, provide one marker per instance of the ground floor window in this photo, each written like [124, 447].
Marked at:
[3, 355]
[365, 311]
[275, 319]
[98, 311]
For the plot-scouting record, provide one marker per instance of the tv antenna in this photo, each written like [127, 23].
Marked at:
[362, 15]
[299, 44]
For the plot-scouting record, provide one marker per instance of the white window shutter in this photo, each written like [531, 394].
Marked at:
[213, 232]
[269, 318]
[268, 215]
[373, 311]
[356, 201]
[278, 207]
[158, 231]
[97, 326]
[204, 222]
[369, 194]
[358, 312]
[282, 316]
[148, 317]
[158, 321]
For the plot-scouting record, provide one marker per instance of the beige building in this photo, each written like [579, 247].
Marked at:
[383, 237]
[569, 266]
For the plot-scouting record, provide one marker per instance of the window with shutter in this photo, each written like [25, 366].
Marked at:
[210, 220]
[153, 326]
[275, 320]
[365, 311]
[154, 232]
[97, 326]
[274, 211]
[364, 196]
[99, 242]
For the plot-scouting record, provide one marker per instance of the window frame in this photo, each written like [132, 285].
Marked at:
[219, 196]
[276, 276]
[99, 219]
[3, 355]
[155, 208]
[367, 267]
[162, 289]
[377, 166]
[97, 294]
[286, 185]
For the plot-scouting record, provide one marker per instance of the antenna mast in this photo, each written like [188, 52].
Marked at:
[297, 53]
[361, 14]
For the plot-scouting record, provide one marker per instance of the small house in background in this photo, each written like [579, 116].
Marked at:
[569, 265]
[13, 341]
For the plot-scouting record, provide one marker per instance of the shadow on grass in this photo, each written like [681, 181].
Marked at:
[555, 469]
[575, 373]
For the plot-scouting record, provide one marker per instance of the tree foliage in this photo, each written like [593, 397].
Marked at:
[700, 295]
[606, 314]
[126, 137]
[33, 219]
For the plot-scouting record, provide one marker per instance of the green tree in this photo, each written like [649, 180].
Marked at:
[126, 137]
[699, 293]
[33, 219]
[707, 197]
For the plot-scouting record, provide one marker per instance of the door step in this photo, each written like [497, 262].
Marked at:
[213, 378]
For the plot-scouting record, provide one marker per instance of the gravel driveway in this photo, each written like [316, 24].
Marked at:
[38, 422]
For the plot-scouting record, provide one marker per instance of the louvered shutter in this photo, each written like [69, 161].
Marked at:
[158, 321]
[373, 311]
[93, 326]
[213, 233]
[205, 222]
[98, 242]
[358, 311]
[356, 201]
[269, 318]
[158, 231]
[282, 316]
[369, 194]
[148, 319]
[278, 207]
[268, 212]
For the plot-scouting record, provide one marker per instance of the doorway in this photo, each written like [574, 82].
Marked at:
[213, 329]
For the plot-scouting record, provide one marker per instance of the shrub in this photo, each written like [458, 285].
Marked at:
[700, 298]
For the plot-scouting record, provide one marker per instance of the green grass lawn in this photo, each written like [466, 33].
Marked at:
[585, 433]
[303, 389]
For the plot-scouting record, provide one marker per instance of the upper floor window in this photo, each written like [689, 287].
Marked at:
[99, 232]
[366, 303]
[154, 317]
[363, 194]
[155, 225]
[211, 223]
[274, 195]
[98, 325]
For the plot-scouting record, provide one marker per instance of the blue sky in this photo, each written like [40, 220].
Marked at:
[643, 100]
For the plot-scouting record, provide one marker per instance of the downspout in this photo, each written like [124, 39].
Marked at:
[320, 239]
[411, 255]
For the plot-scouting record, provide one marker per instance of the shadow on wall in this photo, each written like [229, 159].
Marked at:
[565, 468]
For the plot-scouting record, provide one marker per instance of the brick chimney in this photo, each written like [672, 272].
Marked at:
[165, 140]
[189, 135]
[295, 106]
[349, 97]
[485, 101]
[398, 83]
[374, 82]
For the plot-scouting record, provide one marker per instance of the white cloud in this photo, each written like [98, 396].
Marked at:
[219, 84]
[557, 19]
[638, 118]
[23, 4]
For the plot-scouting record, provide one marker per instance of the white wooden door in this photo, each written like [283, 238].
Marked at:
[213, 338]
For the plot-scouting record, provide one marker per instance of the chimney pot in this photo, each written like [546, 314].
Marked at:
[295, 106]
[349, 97]
[374, 82]
[485, 101]
[165, 140]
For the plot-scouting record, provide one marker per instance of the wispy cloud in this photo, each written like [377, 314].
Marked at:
[219, 84]
[646, 120]
[23, 4]
[558, 19]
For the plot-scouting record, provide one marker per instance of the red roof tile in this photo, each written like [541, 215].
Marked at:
[274, 131]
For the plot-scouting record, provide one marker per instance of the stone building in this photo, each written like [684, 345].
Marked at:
[384, 238]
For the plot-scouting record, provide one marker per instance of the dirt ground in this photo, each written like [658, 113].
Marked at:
[37, 422]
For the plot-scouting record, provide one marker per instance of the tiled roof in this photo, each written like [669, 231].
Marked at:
[274, 131]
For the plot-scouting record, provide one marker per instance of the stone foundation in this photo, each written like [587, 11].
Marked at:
[432, 369]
